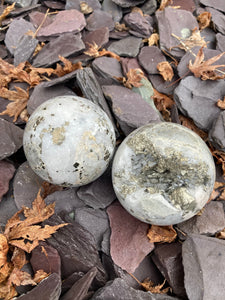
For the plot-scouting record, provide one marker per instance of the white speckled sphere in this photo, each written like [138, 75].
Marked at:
[69, 141]
[163, 173]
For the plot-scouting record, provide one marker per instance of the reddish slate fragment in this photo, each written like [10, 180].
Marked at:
[149, 58]
[99, 36]
[130, 109]
[174, 21]
[75, 4]
[138, 23]
[37, 17]
[6, 174]
[128, 242]
[128, 47]
[11, 137]
[65, 21]
[129, 63]
[217, 4]
[99, 19]
[185, 4]
[45, 257]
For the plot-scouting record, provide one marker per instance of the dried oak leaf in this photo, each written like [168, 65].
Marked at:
[6, 12]
[191, 125]
[221, 103]
[164, 234]
[165, 70]
[204, 20]
[18, 277]
[49, 188]
[204, 69]
[94, 51]
[152, 40]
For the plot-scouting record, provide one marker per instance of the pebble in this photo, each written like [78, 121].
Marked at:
[138, 24]
[7, 171]
[128, 47]
[98, 19]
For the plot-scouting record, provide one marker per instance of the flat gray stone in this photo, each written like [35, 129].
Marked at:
[112, 8]
[128, 3]
[36, 18]
[204, 265]
[217, 4]
[218, 19]
[130, 109]
[128, 47]
[7, 206]
[23, 3]
[149, 7]
[138, 24]
[209, 35]
[98, 19]
[7, 171]
[174, 21]
[107, 67]
[197, 100]
[75, 4]
[11, 138]
[25, 49]
[17, 29]
[217, 132]
[94, 220]
[210, 221]
[66, 44]
[162, 86]
[220, 42]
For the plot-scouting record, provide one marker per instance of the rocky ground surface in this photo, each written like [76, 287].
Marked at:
[141, 61]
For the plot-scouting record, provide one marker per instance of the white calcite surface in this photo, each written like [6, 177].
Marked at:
[163, 173]
[69, 141]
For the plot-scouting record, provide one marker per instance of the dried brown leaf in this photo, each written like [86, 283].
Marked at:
[165, 3]
[136, 9]
[67, 68]
[152, 40]
[148, 285]
[205, 69]
[204, 20]
[49, 188]
[195, 39]
[85, 8]
[40, 275]
[165, 70]
[221, 103]
[7, 291]
[221, 234]
[121, 27]
[191, 125]
[162, 103]
[94, 51]
[18, 258]
[164, 234]
[220, 157]
[6, 12]
[18, 277]
[134, 77]
[3, 249]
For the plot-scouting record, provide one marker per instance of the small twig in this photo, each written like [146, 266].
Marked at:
[42, 22]
[183, 44]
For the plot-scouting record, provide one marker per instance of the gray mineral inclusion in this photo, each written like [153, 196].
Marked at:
[163, 173]
[69, 141]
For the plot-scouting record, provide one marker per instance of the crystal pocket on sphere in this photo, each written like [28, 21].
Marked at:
[163, 173]
[69, 141]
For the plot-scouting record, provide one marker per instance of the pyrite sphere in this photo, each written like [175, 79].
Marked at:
[69, 141]
[163, 173]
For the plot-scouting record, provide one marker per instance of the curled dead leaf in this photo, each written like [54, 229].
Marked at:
[3, 249]
[191, 125]
[152, 40]
[220, 158]
[161, 234]
[162, 103]
[165, 70]
[195, 39]
[134, 77]
[204, 20]
[221, 103]
[121, 27]
[94, 51]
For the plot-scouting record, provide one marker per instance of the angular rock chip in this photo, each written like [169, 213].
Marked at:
[99, 19]
[217, 4]
[23, 3]
[65, 45]
[138, 24]
[75, 4]
[7, 206]
[99, 36]
[45, 257]
[185, 4]
[110, 7]
[204, 265]
[128, 242]
[94, 220]
[118, 289]
[25, 49]
[149, 7]
[65, 21]
[168, 259]
[197, 99]
[128, 47]
[77, 249]
[163, 86]
[129, 63]
[49, 289]
[25, 185]
[128, 3]
[37, 17]
[107, 67]
[80, 288]
[7, 171]
[220, 42]
[217, 132]
[149, 58]
[209, 222]
[130, 109]
[11, 138]
[209, 36]
[174, 21]
[218, 19]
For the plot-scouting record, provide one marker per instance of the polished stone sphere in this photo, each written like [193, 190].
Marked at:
[69, 141]
[163, 173]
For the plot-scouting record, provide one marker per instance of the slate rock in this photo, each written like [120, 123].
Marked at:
[3, 51]
[99, 193]
[220, 42]
[118, 289]
[182, 67]
[114, 10]
[77, 249]
[216, 134]
[7, 171]
[17, 29]
[128, 242]
[138, 23]
[25, 185]
[55, 5]
[68, 282]
[210, 221]
[11, 138]
[23, 3]
[80, 288]
[209, 36]
[105, 244]
[25, 49]
[107, 67]
[94, 221]
[128, 46]
[174, 21]
[98, 19]
[168, 259]
[185, 4]
[47, 260]
[37, 17]
[49, 289]
[149, 58]
[65, 200]
[149, 7]
[163, 86]
[130, 109]
[204, 265]
[75, 4]
[197, 100]
[99, 36]
[65, 21]
[217, 4]
[7, 206]
[218, 19]
[129, 63]
[65, 45]
[42, 93]
[128, 3]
